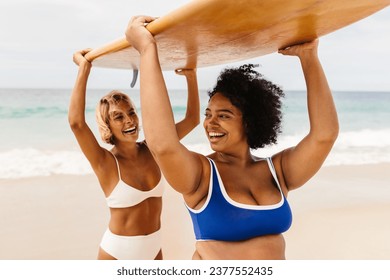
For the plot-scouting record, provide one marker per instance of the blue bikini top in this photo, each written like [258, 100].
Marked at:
[223, 219]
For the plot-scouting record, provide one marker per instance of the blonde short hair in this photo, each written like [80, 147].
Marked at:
[103, 116]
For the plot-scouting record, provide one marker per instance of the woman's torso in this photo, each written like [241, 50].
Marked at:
[249, 215]
[134, 194]
[268, 247]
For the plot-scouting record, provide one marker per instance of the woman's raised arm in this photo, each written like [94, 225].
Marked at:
[192, 117]
[301, 162]
[76, 114]
[181, 167]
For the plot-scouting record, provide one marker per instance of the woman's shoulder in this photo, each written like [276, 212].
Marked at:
[258, 159]
[143, 145]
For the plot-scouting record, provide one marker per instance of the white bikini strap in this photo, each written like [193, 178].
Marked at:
[273, 172]
[117, 165]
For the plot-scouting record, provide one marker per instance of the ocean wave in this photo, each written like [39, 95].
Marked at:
[22, 163]
[18, 113]
[351, 148]
[9, 113]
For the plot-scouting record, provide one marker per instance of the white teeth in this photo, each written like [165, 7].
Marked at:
[215, 134]
[129, 129]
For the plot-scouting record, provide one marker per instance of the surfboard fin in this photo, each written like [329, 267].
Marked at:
[135, 76]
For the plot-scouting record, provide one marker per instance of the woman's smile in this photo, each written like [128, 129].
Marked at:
[215, 136]
[130, 130]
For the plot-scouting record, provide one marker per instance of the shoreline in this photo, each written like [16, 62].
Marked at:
[341, 213]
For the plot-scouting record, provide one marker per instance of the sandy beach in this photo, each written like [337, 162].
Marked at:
[342, 213]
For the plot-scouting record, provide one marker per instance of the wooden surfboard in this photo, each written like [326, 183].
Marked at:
[211, 32]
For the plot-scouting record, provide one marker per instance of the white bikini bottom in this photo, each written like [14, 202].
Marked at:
[139, 247]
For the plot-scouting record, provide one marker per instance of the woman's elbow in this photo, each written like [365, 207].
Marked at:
[196, 121]
[76, 123]
[334, 132]
[329, 136]
[193, 119]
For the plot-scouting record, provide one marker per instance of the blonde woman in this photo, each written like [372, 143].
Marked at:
[128, 174]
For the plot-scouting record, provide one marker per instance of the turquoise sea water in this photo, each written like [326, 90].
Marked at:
[36, 138]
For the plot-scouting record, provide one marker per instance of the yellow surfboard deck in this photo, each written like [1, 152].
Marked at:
[211, 32]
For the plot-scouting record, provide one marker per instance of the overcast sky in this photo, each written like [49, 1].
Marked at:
[38, 38]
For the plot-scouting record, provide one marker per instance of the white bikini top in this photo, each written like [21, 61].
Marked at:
[123, 195]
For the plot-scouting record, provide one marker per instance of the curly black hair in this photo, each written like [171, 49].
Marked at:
[258, 99]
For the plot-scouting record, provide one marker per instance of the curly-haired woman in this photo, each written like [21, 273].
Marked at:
[237, 202]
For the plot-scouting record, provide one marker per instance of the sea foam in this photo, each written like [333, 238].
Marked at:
[21, 163]
[351, 148]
